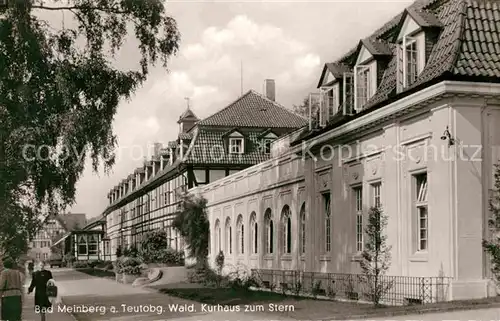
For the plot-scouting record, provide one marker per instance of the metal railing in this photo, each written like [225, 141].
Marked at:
[399, 290]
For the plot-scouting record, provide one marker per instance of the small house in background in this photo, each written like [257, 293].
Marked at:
[87, 243]
[56, 226]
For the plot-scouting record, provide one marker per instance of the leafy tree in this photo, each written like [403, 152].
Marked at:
[376, 256]
[303, 108]
[193, 226]
[492, 246]
[59, 92]
[154, 246]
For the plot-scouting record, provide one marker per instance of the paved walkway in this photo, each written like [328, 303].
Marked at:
[29, 313]
[93, 299]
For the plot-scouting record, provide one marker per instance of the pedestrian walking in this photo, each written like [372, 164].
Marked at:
[11, 285]
[39, 284]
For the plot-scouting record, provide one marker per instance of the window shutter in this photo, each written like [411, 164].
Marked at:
[347, 93]
[323, 109]
[400, 68]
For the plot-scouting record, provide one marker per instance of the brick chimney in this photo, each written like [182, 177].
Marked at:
[270, 89]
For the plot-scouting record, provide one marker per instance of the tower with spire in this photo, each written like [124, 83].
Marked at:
[187, 120]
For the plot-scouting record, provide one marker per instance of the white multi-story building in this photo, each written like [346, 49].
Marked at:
[409, 121]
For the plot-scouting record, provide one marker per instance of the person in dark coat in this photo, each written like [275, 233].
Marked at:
[11, 291]
[39, 284]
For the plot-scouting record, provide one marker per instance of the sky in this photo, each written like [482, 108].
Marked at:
[285, 41]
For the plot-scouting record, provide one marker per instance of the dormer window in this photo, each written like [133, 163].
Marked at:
[266, 138]
[267, 146]
[328, 103]
[408, 62]
[236, 145]
[418, 30]
[362, 87]
[372, 57]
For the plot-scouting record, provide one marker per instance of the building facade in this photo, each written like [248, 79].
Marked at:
[236, 137]
[54, 228]
[86, 244]
[408, 122]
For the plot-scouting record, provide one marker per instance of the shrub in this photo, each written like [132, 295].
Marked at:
[155, 248]
[491, 245]
[131, 251]
[80, 265]
[109, 266]
[69, 258]
[119, 251]
[129, 265]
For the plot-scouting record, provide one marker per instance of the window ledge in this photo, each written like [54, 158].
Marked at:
[268, 256]
[325, 257]
[286, 257]
[420, 257]
[302, 257]
[254, 256]
[356, 257]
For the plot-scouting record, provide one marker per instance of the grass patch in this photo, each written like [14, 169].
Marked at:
[224, 295]
[98, 272]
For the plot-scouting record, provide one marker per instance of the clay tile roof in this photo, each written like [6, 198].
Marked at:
[424, 18]
[377, 47]
[185, 136]
[479, 53]
[210, 150]
[254, 110]
[172, 144]
[337, 69]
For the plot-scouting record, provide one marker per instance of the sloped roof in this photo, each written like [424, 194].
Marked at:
[71, 221]
[466, 48]
[377, 47]
[94, 221]
[422, 17]
[183, 136]
[467, 44]
[209, 149]
[188, 114]
[254, 110]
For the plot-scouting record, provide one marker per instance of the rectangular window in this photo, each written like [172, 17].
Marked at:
[362, 86]
[376, 201]
[267, 146]
[236, 145]
[411, 61]
[422, 211]
[328, 225]
[348, 93]
[328, 104]
[358, 207]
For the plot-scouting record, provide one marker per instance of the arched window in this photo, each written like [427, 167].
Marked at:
[217, 238]
[286, 223]
[269, 231]
[303, 228]
[241, 235]
[229, 236]
[254, 234]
